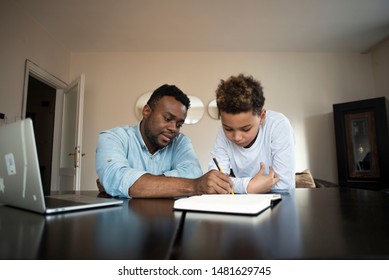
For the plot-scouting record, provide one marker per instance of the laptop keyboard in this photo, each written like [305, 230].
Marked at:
[56, 202]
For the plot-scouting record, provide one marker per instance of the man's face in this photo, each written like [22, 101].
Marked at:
[162, 122]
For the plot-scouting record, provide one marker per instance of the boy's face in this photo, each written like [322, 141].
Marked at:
[242, 128]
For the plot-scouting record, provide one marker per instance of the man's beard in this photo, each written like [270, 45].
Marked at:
[153, 139]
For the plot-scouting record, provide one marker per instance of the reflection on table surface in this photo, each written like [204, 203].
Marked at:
[307, 224]
[20, 233]
[222, 236]
[331, 223]
[140, 229]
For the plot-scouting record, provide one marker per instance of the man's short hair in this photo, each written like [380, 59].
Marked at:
[169, 90]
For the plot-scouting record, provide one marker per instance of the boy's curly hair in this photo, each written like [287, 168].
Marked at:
[240, 94]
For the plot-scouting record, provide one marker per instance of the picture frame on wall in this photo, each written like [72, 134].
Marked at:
[362, 143]
[362, 155]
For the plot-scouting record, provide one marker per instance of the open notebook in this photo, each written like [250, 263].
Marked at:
[248, 204]
[20, 178]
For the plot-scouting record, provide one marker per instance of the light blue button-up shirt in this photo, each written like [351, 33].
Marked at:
[122, 158]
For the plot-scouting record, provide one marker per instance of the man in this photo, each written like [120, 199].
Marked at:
[152, 158]
[257, 145]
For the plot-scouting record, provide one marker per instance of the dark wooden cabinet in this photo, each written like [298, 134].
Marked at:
[362, 143]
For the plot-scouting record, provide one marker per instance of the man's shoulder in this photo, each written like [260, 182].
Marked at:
[120, 131]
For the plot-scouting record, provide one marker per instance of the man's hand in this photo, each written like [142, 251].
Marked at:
[261, 183]
[214, 182]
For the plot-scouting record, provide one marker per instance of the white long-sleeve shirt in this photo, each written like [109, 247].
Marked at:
[274, 146]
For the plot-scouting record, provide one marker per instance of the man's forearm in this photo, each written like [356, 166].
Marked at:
[160, 186]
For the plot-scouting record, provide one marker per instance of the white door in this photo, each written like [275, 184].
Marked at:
[71, 136]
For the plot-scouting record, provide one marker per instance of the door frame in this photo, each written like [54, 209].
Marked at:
[76, 151]
[32, 69]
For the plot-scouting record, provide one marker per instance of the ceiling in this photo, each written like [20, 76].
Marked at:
[213, 25]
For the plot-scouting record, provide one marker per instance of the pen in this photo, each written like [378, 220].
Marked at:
[220, 169]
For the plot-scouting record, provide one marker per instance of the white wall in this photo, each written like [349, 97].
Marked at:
[380, 62]
[301, 85]
[22, 38]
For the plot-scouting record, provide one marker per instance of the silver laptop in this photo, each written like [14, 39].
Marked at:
[20, 179]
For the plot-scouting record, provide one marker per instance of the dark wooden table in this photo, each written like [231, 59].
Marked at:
[329, 223]
[140, 229]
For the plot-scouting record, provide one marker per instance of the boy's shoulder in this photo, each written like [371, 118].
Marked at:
[273, 115]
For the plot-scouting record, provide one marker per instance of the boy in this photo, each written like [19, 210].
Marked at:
[255, 144]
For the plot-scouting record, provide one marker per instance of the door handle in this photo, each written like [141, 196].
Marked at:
[76, 155]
